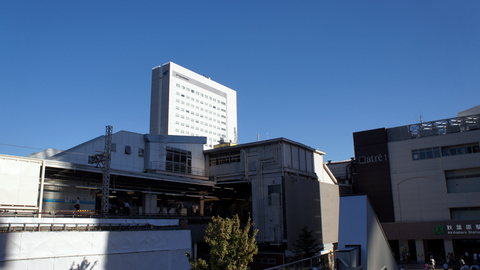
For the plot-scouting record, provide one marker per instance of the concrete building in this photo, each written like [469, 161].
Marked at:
[285, 185]
[423, 181]
[188, 104]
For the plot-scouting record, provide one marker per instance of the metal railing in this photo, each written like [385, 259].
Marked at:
[179, 168]
[320, 262]
[446, 126]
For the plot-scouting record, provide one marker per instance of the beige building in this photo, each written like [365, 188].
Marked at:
[424, 183]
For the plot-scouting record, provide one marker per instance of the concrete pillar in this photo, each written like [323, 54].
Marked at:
[195, 251]
[420, 250]
[150, 203]
[202, 206]
[448, 243]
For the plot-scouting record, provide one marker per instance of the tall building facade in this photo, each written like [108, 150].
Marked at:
[189, 104]
[423, 181]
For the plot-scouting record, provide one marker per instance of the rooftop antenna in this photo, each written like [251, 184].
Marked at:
[421, 117]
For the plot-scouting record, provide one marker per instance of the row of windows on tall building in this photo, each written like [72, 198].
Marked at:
[436, 152]
[200, 102]
[200, 115]
[192, 91]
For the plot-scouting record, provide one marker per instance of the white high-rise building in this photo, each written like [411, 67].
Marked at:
[189, 104]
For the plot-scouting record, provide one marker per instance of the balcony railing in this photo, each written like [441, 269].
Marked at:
[446, 126]
[177, 167]
[435, 128]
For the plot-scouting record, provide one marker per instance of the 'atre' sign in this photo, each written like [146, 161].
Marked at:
[372, 158]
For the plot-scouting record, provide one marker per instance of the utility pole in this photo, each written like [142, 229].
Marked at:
[103, 161]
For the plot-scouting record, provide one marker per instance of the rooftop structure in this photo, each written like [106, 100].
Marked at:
[434, 128]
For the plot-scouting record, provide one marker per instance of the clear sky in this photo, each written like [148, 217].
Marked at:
[310, 71]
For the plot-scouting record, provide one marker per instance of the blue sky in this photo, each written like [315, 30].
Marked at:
[310, 71]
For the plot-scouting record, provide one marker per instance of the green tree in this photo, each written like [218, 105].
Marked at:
[306, 245]
[230, 247]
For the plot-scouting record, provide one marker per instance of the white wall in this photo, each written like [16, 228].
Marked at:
[19, 180]
[358, 225]
[120, 160]
[102, 250]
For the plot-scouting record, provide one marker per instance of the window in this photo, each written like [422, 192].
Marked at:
[426, 153]
[274, 189]
[266, 260]
[463, 180]
[460, 149]
[141, 152]
[128, 149]
[178, 160]
[225, 158]
[113, 147]
[465, 213]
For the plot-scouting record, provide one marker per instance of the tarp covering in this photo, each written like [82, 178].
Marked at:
[163, 249]
[88, 221]
[19, 180]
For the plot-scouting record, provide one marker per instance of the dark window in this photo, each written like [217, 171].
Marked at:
[426, 153]
[465, 213]
[273, 189]
[178, 160]
[225, 158]
[463, 180]
[128, 149]
[460, 149]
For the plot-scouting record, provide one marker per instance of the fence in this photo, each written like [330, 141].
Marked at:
[320, 262]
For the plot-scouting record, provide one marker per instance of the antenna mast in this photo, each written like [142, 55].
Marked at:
[103, 161]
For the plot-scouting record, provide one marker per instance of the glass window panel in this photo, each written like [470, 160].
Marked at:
[429, 153]
[422, 154]
[415, 155]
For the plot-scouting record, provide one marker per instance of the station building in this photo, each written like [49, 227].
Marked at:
[175, 172]
[423, 181]
[282, 184]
